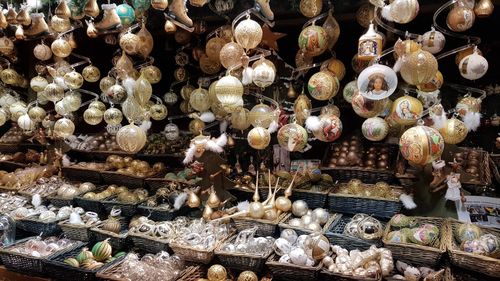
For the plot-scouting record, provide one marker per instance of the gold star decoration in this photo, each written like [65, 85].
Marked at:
[270, 38]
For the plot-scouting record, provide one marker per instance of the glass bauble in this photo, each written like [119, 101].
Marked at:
[17, 109]
[129, 42]
[208, 65]
[170, 98]
[7, 100]
[405, 47]
[151, 73]
[323, 85]
[38, 83]
[330, 109]
[248, 33]
[214, 47]
[171, 132]
[60, 24]
[406, 110]
[403, 11]
[302, 108]
[61, 48]
[92, 116]
[484, 8]
[64, 128]
[132, 110]
[73, 80]
[42, 52]
[292, 137]
[421, 145]
[196, 126]
[302, 59]
[113, 116]
[6, 46]
[473, 66]
[313, 40]
[9, 76]
[91, 73]
[462, 54]
[240, 119]
[181, 58]
[460, 18]
[211, 93]
[218, 110]
[159, 4]
[54, 92]
[61, 108]
[185, 107]
[186, 91]
[229, 92]
[434, 85]
[230, 55]
[264, 73]
[366, 108]
[131, 138]
[106, 83]
[116, 94]
[72, 101]
[468, 105]
[359, 65]
[180, 74]
[332, 28]
[454, 131]
[377, 82]
[330, 128]
[375, 129]
[125, 66]
[98, 105]
[433, 41]
[158, 111]
[37, 114]
[419, 67]
[261, 115]
[310, 8]
[25, 122]
[335, 66]
[145, 41]
[142, 90]
[349, 90]
[126, 14]
[259, 138]
[199, 100]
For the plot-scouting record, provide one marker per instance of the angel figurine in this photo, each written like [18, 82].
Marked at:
[453, 192]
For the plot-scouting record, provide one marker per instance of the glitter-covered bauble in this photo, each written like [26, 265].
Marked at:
[433, 41]
[261, 115]
[131, 138]
[375, 129]
[229, 91]
[171, 132]
[64, 128]
[170, 98]
[264, 73]
[72, 101]
[419, 67]
[38, 83]
[54, 92]
[126, 14]
[158, 111]
[92, 116]
[330, 128]
[259, 138]
[37, 114]
[323, 85]
[366, 108]
[9, 76]
[313, 40]
[433, 85]
[129, 42]
[112, 116]
[199, 100]
[6, 46]
[151, 73]
[230, 55]
[106, 83]
[61, 48]
[292, 137]
[454, 131]
[421, 145]
[42, 52]
[473, 66]
[60, 24]
[248, 276]
[406, 110]
[116, 94]
[142, 90]
[460, 18]
[91, 73]
[98, 105]
[73, 80]
[217, 273]
[248, 33]
[240, 119]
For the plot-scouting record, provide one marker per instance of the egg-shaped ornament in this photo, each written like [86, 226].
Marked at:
[92, 116]
[433, 41]
[406, 110]
[126, 14]
[473, 66]
[401, 11]
[349, 90]
[64, 128]
[112, 116]
[332, 28]
[419, 67]
[91, 73]
[330, 128]
[261, 115]
[454, 131]
[377, 82]
[460, 18]
[468, 105]
[142, 90]
[375, 129]
[38, 83]
[73, 80]
[60, 24]
[199, 100]
[196, 126]
[229, 91]
[313, 40]
[323, 85]
[259, 138]
[61, 48]
[264, 73]
[240, 119]
[37, 114]
[248, 33]
[116, 94]
[365, 107]
[42, 52]
[9, 76]
[421, 145]
[310, 8]
[152, 74]
[302, 108]
[230, 55]
[131, 138]
[292, 137]
[54, 92]
[434, 85]
[170, 98]
[25, 123]
[171, 132]
[158, 111]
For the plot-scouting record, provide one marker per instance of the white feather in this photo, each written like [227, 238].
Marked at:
[407, 201]
[386, 13]
[472, 120]
[145, 125]
[397, 65]
[273, 127]
[223, 126]
[189, 154]
[247, 76]
[180, 200]
[129, 84]
[222, 140]
[439, 121]
[212, 146]
[243, 205]
[207, 117]
[66, 161]
[313, 123]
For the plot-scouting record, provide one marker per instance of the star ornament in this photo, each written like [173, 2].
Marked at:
[270, 38]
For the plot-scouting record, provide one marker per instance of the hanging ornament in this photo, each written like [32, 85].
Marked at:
[126, 14]
[209, 66]
[62, 10]
[112, 116]
[61, 48]
[170, 98]
[42, 52]
[313, 40]
[230, 55]
[131, 138]
[302, 59]
[60, 24]
[433, 41]
[421, 145]
[434, 85]
[9, 76]
[64, 128]
[240, 119]
[377, 82]
[323, 85]
[151, 73]
[349, 90]
[270, 38]
[261, 115]
[454, 131]
[248, 33]
[229, 92]
[17, 109]
[199, 100]
[171, 132]
[170, 27]
[146, 42]
[214, 47]
[6, 46]
[406, 110]
[92, 116]
[405, 47]
[419, 67]
[462, 54]
[11, 15]
[185, 107]
[332, 28]
[132, 110]
[366, 108]
[142, 90]
[54, 92]
[186, 91]
[159, 4]
[23, 17]
[37, 114]
[72, 101]
[129, 42]
[38, 83]
[473, 66]
[375, 129]
[484, 8]
[125, 66]
[180, 74]
[116, 94]
[401, 11]
[302, 108]
[310, 8]
[460, 18]
[259, 138]
[292, 137]
[330, 109]
[25, 123]
[327, 127]
[196, 126]
[106, 83]
[91, 8]
[91, 73]
[158, 111]
[3, 21]
[468, 105]
[335, 66]
[60, 108]
[73, 80]
[369, 44]
[264, 72]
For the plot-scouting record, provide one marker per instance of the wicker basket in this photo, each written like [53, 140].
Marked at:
[9, 147]
[191, 254]
[193, 273]
[241, 261]
[58, 270]
[336, 236]
[154, 183]
[241, 194]
[34, 225]
[479, 263]
[288, 271]
[351, 204]
[81, 174]
[131, 181]
[75, 231]
[327, 275]
[429, 255]
[454, 273]
[90, 205]
[477, 186]
[118, 241]
[300, 230]
[157, 214]
[26, 264]
[148, 243]
[407, 175]
[128, 209]
[314, 199]
[264, 227]
[60, 202]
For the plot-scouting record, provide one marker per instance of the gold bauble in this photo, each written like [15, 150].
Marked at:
[217, 273]
[9, 76]
[433, 85]
[97, 105]
[454, 131]
[230, 55]
[468, 104]
[159, 4]
[256, 210]
[17, 109]
[60, 108]
[323, 85]
[158, 111]
[209, 66]
[23, 17]
[129, 42]
[240, 119]
[320, 247]
[311, 8]
[264, 73]
[313, 40]
[214, 47]
[419, 67]
[292, 137]
[483, 8]
[366, 108]
[283, 204]
[151, 73]
[106, 83]
[336, 67]
[229, 91]
[406, 110]
[460, 18]
[142, 90]
[73, 80]
[199, 100]
[3, 117]
[6, 46]
[186, 91]
[125, 66]
[62, 10]
[185, 107]
[37, 113]
[421, 145]
[247, 276]
[131, 138]
[262, 115]
[92, 116]
[145, 41]
[405, 47]
[91, 73]
[64, 128]
[248, 33]
[72, 101]
[61, 48]
[259, 138]
[60, 24]
[116, 94]
[54, 92]
[433, 41]
[112, 116]
[196, 126]
[302, 108]
[170, 27]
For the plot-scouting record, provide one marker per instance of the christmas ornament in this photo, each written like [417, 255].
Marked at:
[159, 4]
[73, 80]
[170, 98]
[92, 116]
[270, 38]
[91, 8]
[406, 110]
[473, 66]
[405, 47]
[375, 129]
[60, 24]
[313, 40]
[349, 90]
[171, 132]
[116, 94]
[434, 85]
[248, 33]
[332, 28]
[72, 101]
[240, 119]
[178, 9]
[377, 82]
[335, 66]
[145, 41]
[302, 108]
[366, 108]
[369, 44]
[196, 126]
[421, 145]
[264, 73]
[9, 76]
[62, 10]
[217, 273]
[483, 8]
[186, 91]
[433, 41]
[292, 137]
[112, 116]
[25, 123]
[259, 138]
[214, 46]
[460, 18]
[129, 42]
[359, 65]
[230, 55]
[64, 128]
[229, 92]
[247, 276]
[323, 85]
[54, 92]
[310, 8]
[131, 138]
[126, 14]
[401, 11]
[6, 46]
[158, 111]
[209, 66]
[468, 105]
[328, 129]
[261, 115]
[106, 83]
[454, 131]
[419, 67]
[37, 114]
[91, 73]
[61, 48]
[38, 83]
[142, 90]
[200, 100]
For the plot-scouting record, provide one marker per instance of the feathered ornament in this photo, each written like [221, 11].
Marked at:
[472, 120]
[313, 123]
[397, 65]
[407, 201]
[243, 206]
[247, 76]
[180, 200]
[438, 116]
[145, 125]
[129, 84]
[273, 127]
[201, 143]
[59, 80]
